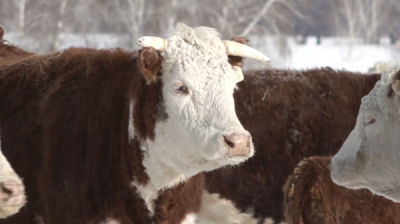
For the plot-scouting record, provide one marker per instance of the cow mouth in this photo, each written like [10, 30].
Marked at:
[234, 160]
[238, 159]
[343, 178]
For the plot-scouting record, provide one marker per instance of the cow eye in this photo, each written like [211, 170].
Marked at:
[368, 121]
[181, 88]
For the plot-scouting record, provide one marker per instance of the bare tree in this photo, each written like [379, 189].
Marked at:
[132, 15]
[263, 13]
[21, 23]
[63, 5]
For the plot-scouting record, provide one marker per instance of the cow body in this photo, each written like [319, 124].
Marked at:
[311, 197]
[369, 158]
[291, 115]
[111, 136]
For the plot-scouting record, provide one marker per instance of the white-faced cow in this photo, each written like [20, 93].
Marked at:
[370, 157]
[112, 136]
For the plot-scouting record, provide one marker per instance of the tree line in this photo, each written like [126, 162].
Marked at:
[45, 20]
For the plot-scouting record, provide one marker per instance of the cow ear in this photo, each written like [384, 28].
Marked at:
[396, 82]
[149, 63]
[1, 33]
[236, 60]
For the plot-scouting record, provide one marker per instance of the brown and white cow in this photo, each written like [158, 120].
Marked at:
[112, 136]
[290, 115]
[12, 194]
[312, 198]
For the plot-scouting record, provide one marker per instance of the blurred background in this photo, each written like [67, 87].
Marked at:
[299, 34]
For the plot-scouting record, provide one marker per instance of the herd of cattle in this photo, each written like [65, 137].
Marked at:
[172, 133]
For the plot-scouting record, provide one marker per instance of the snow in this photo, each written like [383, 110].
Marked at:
[339, 53]
[336, 52]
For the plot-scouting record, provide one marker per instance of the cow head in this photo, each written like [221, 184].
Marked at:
[199, 129]
[370, 156]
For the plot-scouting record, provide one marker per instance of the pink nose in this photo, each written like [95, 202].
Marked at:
[238, 144]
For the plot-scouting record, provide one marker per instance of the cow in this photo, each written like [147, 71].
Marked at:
[12, 193]
[311, 197]
[114, 136]
[291, 114]
[369, 157]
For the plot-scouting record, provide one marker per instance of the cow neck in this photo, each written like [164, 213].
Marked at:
[161, 176]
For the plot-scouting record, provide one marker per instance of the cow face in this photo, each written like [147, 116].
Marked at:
[200, 131]
[370, 157]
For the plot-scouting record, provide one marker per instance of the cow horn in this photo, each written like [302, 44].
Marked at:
[156, 42]
[237, 49]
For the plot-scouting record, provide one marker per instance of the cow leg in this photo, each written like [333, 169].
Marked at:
[218, 210]
[12, 191]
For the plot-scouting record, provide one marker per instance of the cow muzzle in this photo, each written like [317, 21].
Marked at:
[238, 144]
[12, 197]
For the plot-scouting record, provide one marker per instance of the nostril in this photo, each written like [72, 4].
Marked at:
[6, 190]
[238, 144]
[229, 142]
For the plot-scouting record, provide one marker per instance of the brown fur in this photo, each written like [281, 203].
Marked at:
[396, 82]
[312, 198]
[10, 53]
[290, 115]
[1, 33]
[150, 64]
[64, 123]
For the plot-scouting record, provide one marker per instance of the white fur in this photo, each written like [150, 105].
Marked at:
[218, 210]
[190, 219]
[370, 157]
[268, 221]
[131, 129]
[14, 203]
[271, 221]
[6, 171]
[110, 221]
[149, 193]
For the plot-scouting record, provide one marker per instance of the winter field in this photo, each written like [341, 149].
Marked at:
[339, 53]
[285, 52]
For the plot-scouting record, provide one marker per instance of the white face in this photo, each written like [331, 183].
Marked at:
[370, 157]
[202, 131]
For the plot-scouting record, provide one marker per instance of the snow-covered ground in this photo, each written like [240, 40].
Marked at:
[340, 53]
[337, 53]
